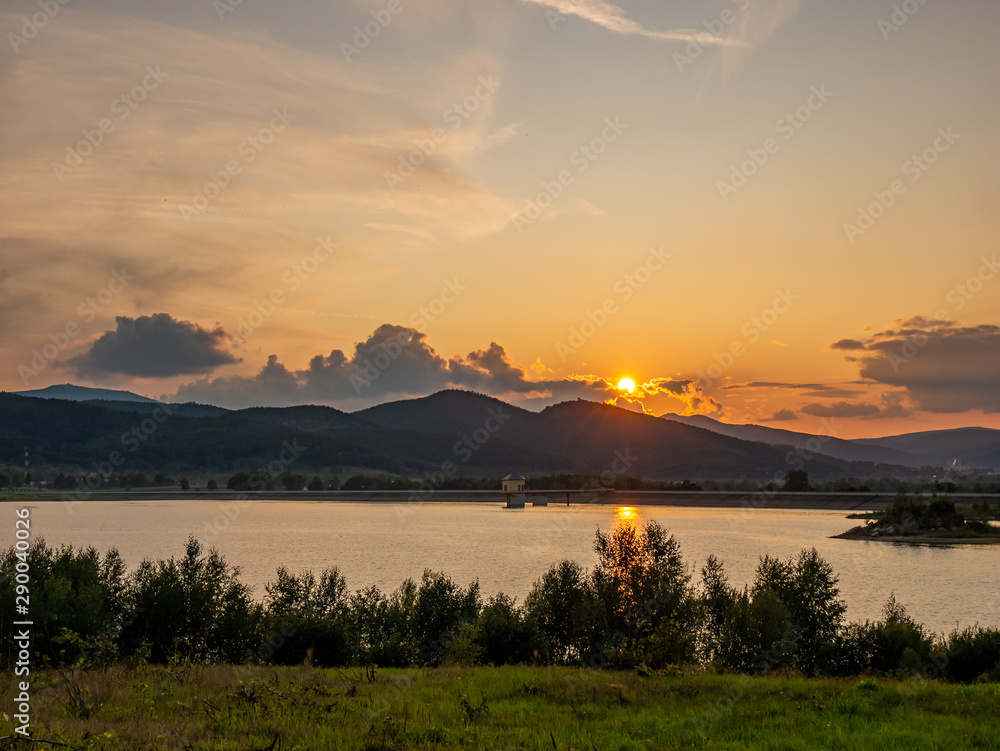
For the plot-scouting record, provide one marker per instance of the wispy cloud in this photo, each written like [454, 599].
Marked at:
[613, 18]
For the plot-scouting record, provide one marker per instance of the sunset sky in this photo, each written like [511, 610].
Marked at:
[765, 211]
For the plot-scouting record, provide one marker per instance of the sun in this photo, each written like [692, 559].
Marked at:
[626, 384]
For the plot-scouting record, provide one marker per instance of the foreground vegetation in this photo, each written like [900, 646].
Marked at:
[638, 609]
[255, 708]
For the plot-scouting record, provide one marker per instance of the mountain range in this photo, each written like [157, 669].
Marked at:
[456, 432]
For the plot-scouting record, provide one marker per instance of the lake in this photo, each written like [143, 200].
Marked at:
[507, 550]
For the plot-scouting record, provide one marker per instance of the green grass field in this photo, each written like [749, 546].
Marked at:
[248, 708]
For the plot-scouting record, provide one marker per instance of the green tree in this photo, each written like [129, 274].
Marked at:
[195, 606]
[504, 633]
[310, 615]
[807, 588]
[291, 481]
[73, 591]
[568, 613]
[796, 481]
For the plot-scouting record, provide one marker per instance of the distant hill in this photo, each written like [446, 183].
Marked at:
[83, 394]
[836, 447]
[449, 412]
[187, 409]
[457, 432]
[588, 437]
[965, 447]
[81, 435]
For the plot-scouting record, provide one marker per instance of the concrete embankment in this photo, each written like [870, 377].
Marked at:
[704, 499]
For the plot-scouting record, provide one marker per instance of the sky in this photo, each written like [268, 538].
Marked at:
[769, 211]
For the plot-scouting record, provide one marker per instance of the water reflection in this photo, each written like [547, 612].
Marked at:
[627, 515]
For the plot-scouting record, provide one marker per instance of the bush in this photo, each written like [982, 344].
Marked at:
[973, 654]
[505, 635]
[568, 613]
[71, 590]
[439, 608]
[895, 635]
[195, 607]
[807, 589]
[641, 580]
[311, 617]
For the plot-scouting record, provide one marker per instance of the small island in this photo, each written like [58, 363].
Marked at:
[919, 521]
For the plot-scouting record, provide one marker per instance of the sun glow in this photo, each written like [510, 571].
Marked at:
[626, 384]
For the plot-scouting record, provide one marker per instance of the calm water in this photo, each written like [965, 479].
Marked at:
[508, 550]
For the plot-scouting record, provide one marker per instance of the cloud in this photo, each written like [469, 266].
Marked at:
[156, 346]
[758, 22]
[782, 415]
[821, 390]
[777, 385]
[894, 404]
[613, 18]
[842, 409]
[399, 361]
[942, 366]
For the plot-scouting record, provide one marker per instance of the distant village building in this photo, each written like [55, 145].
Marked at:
[513, 483]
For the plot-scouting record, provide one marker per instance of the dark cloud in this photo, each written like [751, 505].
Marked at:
[893, 404]
[820, 390]
[944, 367]
[156, 346]
[848, 344]
[777, 385]
[842, 409]
[782, 415]
[491, 370]
[396, 360]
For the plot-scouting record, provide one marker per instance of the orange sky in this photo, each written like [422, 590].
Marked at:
[705, 197]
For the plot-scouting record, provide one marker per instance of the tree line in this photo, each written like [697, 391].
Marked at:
[638, 608]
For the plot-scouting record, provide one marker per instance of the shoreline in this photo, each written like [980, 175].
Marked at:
[761, 500]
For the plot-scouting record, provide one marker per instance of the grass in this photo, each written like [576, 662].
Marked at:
[255, 708]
